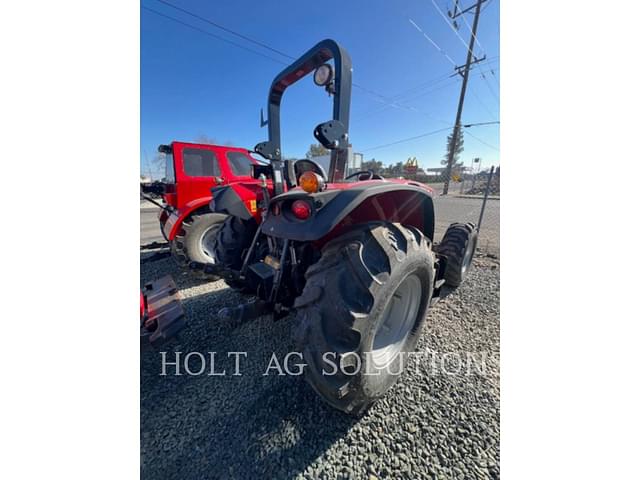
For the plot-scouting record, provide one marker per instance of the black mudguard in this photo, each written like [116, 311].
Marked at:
[226, 200]
[331, 207]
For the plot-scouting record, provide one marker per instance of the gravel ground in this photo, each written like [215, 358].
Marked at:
[429, 425]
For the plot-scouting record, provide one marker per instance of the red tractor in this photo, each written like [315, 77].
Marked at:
[192, 170]
[353, 256]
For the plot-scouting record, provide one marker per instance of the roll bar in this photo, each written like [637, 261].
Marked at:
[333, 134]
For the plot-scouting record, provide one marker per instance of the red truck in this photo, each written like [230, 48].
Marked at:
[192, 170]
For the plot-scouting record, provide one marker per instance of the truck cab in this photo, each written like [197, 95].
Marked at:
[192, 169]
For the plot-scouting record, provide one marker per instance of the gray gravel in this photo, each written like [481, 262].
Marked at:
[430, 425]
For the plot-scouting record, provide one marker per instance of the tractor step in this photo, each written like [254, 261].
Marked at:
[161, 313]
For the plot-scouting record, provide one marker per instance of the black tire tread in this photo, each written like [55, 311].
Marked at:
[341, 285]
[232, 241]
[453, 247]
[178, 245]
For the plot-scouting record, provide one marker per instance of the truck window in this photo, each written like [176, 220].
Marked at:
[169, 174]
[200, 163]
[239, 163]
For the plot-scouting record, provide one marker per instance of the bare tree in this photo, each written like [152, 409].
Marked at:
[205, 139]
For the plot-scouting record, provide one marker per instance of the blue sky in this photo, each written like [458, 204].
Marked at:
[193, 84]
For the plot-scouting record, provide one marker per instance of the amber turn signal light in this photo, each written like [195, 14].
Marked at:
[311, 182]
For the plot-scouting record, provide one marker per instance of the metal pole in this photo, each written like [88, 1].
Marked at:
[486, 194]
[463, 91]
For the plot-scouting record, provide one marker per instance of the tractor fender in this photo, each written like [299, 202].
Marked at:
[335, 210]
[237, 199]
[174, 221]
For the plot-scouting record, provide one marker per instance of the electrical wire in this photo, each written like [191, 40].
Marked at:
[473, 34]
[246, 38]
[407, 139]
[469, 125]
[228, 30]
[414, 97]
[404, 106]
[433, 43]
[482, 104]
[446, 20]
[263, 45]
[479, 124]
[388, 102]
[481, 48]
[193, 27]
[480, 140]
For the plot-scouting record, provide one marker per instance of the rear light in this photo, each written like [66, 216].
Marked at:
[301, 209]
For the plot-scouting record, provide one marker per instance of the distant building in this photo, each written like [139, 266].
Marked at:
[354, 163]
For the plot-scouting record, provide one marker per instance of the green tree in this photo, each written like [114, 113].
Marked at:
[459, 148]
[316, 150]
[373, 165]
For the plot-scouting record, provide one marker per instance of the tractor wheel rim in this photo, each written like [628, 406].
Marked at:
[468, 255]
[398, 319]
[207, 242]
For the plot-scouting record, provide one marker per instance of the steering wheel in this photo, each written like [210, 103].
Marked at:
[369, 174]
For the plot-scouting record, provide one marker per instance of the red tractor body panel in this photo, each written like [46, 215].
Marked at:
[193, 170]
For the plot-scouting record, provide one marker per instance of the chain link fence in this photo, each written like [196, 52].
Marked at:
[464, 203]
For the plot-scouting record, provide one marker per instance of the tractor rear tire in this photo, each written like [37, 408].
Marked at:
[195, 241]
[232, 242]
[361, 312]
[458, 246]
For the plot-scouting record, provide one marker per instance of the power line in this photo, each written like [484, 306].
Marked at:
[395, 99]
[446, 20]
[246, 38]
[486, 5]
[481, 47]
[379, 97]
[474, 35]
[228, 30]
[482, 104]
[479, 124]
[420, 86]
[465, 79]
[433, 43]
[385, 99]
[469, 125]
[193, 27]
[404, 106]
[481, 141]
[407, 139]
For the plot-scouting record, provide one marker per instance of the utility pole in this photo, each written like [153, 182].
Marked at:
[463, 89]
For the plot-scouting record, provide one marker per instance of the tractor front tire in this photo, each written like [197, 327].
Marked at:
[458, 246]
[195, 241]
[362, 310]
[232, 242]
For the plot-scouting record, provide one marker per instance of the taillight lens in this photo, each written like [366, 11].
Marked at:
[301, 209]
[311, 182]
